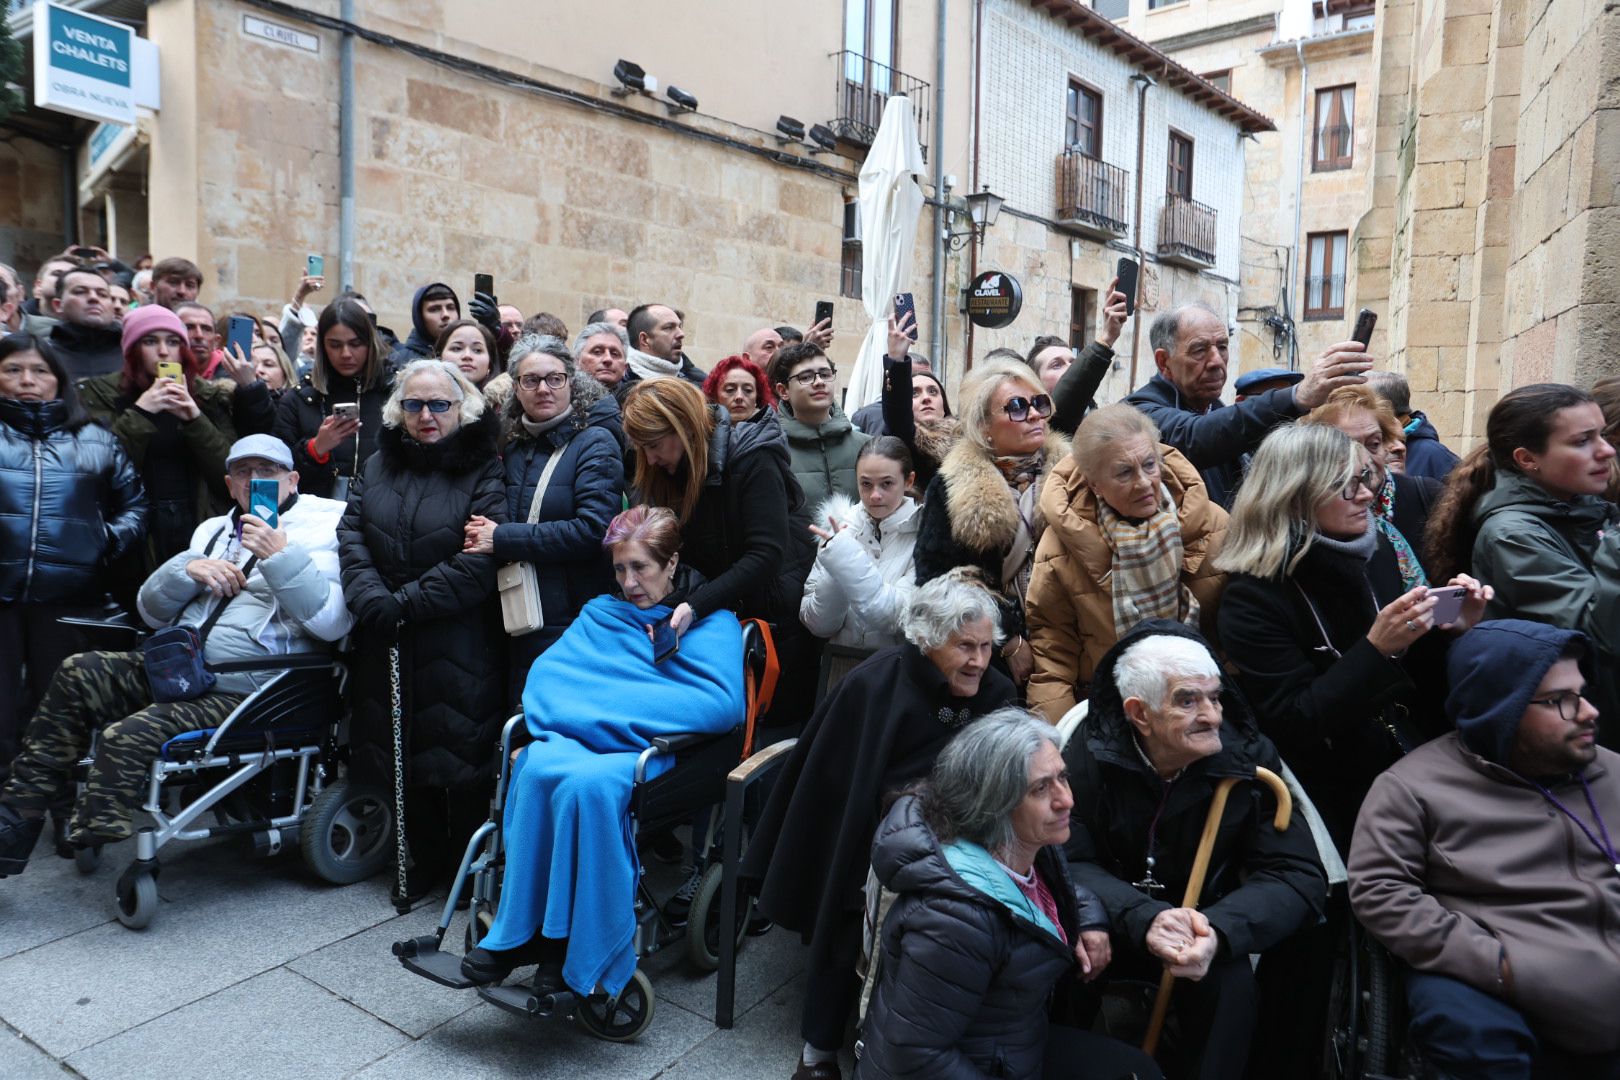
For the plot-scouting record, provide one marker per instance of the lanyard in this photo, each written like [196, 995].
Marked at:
[1604, 845]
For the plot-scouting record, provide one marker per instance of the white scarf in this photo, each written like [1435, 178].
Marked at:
[649, 366]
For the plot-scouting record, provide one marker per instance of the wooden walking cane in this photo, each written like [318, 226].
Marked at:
[1200, 867]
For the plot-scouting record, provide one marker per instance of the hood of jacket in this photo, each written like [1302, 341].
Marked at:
[1492, 670]
[1111, 738]
[468, 448]
[1069, 505]
[419, 338]
[836, 426]
[729, 443]
[1515, 491]
[983, 513]
[1420, 428]
[35, 419]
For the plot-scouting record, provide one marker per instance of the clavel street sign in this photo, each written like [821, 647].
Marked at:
[83, 64]
[994, 299]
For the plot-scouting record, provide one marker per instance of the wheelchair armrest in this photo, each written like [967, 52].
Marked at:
[761, 763]
[274, 662]
[669, 744]
[121, 622]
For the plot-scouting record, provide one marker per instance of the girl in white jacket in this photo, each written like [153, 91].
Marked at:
[862, 579]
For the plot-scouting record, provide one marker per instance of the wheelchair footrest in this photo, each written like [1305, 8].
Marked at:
[523, 1001]
[442, 967]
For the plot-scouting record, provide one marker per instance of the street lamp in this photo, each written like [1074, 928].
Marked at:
[981, 209]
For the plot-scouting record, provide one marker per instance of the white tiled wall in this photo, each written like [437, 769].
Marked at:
[1028, 59]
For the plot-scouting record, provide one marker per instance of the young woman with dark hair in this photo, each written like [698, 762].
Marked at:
[1525, 513]
[329, 445]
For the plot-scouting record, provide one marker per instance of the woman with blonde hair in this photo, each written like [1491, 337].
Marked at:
[1334, 652]
[1131, 535]
[982, 507]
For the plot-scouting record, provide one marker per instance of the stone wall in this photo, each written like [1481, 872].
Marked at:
[30, 205]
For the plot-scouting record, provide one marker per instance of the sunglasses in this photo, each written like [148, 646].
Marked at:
[416, 405]
[1018, 409]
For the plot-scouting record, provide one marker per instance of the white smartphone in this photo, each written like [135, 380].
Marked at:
[346, 410]
[1449, 604]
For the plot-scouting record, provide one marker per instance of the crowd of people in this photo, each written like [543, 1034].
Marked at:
[499, 517]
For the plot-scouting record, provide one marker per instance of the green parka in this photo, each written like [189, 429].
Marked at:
[824, 456]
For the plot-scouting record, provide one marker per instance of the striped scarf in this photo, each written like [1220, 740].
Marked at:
[1412, 574]
[1147, 566]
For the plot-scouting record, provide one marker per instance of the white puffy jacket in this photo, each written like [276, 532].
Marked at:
[862, 580]
[293, 602]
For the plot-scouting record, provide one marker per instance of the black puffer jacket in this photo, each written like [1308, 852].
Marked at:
[584, 493]
[400, 542]
[749, 533]
[88, 350]
[1262, 885]
[964, 987]
[70, 502]
[299, 415]
[1332, 716]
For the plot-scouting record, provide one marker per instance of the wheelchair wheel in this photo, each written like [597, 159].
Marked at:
[86, 859]
[1378, 1002]
[703, 945]
[346, 832]
[138, 901]
[622, 1020]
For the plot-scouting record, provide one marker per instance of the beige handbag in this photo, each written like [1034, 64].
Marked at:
[518, 582]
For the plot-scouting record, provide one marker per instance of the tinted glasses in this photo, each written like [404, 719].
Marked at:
[1018, 409]
[416, 405]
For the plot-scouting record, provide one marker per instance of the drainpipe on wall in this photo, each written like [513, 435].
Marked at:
[346, 109]
[1299, 198]
[973, 185]
[1142, 81]
[940, 219]
[69, 158]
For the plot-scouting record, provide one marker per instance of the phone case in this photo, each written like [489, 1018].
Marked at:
[262, 499]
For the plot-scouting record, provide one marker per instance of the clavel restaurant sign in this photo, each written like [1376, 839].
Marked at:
[83, 65]
[994, 299]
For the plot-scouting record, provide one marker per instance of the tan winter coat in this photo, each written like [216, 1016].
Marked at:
[1070, 603]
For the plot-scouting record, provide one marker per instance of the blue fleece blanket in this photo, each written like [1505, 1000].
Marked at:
[593, 702]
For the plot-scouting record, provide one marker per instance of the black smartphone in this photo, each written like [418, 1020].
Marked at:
[484, 283]
[1126, 272]
[83, 253]
[1366, 319]
[240, 334]
[824, 310]
[664, 642]
[905, 304]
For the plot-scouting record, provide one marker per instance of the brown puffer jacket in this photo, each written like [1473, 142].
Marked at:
[1070, 602]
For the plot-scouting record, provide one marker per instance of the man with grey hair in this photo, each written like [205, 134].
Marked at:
[1426, 455]
[1190, 349]
[1164, 728]
[601, 350]
[875, 732]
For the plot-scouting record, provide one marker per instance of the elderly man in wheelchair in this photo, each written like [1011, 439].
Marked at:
[598, 704]
[255, 583]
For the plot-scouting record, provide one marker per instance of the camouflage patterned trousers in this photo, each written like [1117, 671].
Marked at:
[106, 691]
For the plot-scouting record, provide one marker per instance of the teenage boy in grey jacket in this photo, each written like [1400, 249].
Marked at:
[269, 590]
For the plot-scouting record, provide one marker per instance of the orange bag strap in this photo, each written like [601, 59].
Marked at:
[760, 689]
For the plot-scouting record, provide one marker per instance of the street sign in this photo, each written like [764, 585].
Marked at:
[281, 35]
[84, 64]
[994, 299]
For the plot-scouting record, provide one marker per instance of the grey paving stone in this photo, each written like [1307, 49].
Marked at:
[764, 965]
[225, 917]
[20, 1061]
[362, 969]
[487, 1041]
[765, 1043]
[52, 899]
[297, 1030]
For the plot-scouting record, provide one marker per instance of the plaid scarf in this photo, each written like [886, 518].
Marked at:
[1412, 574]
[1147, 566]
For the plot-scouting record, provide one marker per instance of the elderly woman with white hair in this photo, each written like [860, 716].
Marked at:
[982, 508]
[987, 922]
[1164, 729]
[408, 580]
[878, 730]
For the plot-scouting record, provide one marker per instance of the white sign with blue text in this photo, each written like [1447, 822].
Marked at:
[83, 64]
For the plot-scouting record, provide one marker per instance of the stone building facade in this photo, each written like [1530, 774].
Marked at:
[1494, 211]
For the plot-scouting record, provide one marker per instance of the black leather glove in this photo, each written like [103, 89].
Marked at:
[482, 307]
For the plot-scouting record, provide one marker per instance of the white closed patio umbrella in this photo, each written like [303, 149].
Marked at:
[891, 202]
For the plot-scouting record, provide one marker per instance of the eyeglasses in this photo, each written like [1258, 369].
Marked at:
[556, 380]
[1568, 703]
[416, 405]
[1019, 408]
[810, 378]
[262, 471]
[1362, 479]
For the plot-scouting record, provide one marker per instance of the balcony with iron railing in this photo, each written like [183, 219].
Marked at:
[864, 87]
[1187, 232]
[1091, 195]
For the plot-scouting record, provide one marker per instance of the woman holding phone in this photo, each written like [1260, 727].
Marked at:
[331, 423]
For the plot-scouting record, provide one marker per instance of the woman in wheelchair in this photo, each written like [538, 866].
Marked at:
[617, 678]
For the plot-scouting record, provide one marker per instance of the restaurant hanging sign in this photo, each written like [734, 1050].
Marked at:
[994, 299]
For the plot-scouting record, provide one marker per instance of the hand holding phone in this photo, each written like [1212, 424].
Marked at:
[346, 410]
[665, 642]
[171, 369]
[484, 283]
[264, 499]
[1126, 272]
[1448, 603]
[314, 265]
[239, 336]
[905, 304]
[1366, 319]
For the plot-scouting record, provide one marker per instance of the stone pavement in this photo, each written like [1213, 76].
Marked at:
[253, 968]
